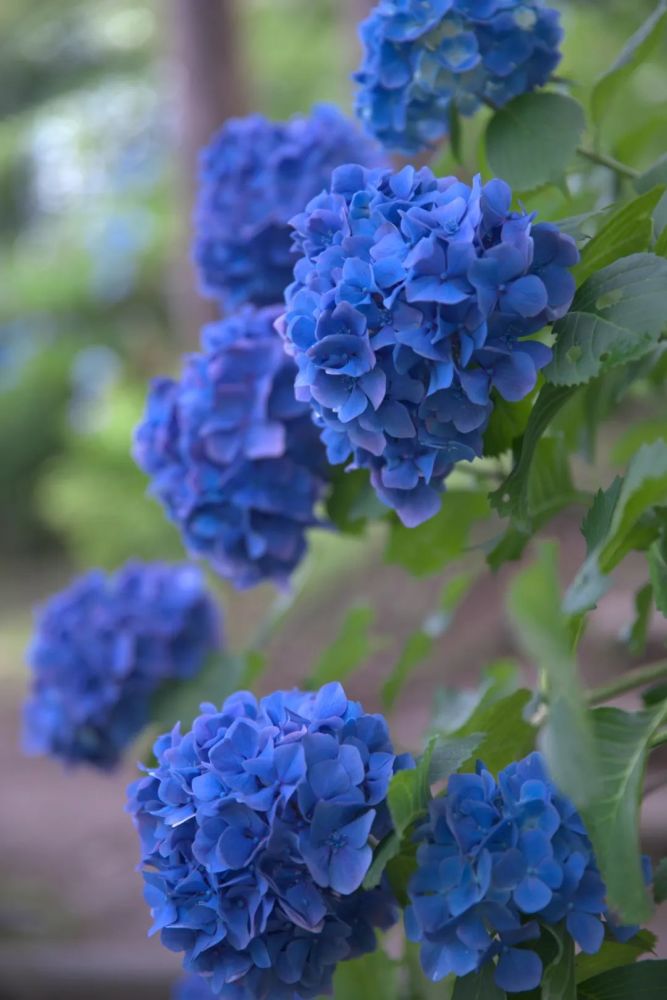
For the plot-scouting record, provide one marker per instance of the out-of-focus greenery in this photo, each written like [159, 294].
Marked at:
[88, 225]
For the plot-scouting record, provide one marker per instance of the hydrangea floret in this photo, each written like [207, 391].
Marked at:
[233, 456]
[411, 308]
[495, 860]
[254, 176]
[256, 834]
[102, 648]
[423, 61]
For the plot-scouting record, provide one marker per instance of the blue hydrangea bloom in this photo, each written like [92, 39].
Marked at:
[102, 648]
[256, 832]
[192, 988]
[233, 457]
[410, 308]
[495, 859]
[424, 60]
[254, 176]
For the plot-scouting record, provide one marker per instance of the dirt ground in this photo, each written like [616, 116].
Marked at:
[72, 919]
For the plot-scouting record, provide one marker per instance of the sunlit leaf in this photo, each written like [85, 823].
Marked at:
[372, 975]
[628, 231]
[638, 631]
[430, 547]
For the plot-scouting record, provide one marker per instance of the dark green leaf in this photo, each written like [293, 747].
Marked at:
[638, 50]
[478, 986]
[558, 982]
[643, 981]
[352, 500]
[455, 133]
[353, 644]
[597, 523]
[506, 734]
[629, 525]
[617, 316]
[533, 139]
[655, 175]
[657, 563]
[613, 954]
[410, 792]
[621, 741]
[508, 422]
[512, 497]
[567, 740]
[627, 231]
[660, 882]
[428, 548]
[373, 975]
[639, 628]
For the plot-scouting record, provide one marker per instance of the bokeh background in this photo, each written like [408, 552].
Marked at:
[103, 106]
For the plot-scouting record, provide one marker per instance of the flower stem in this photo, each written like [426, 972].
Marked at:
[602, 160]
[640, 677]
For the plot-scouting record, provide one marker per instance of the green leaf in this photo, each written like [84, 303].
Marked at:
[657, 174]
[639, 628]
[372, 975]
[639, 48]
[353, 644]
[558, 982]
[410, 793]
[639, 433]
[597, 523]
[449, 756]
[566, 738]
[455, 706]
[532, 140]
[628, 231]
[179, 701]
[455, 133]
[255, 665]
[643, 981]
[660, 882]
[508, 422]
[419, 644]
[621, 744]
[613, 954]
[660, 248]
[478, 986]
[428, 548]
[657, 564]
[618, 315]
[352, 500]
[507, 735]
[511, 499]
[417, 647]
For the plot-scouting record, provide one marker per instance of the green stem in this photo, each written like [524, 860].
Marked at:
[659, 739]
[602, 160]
[640, 677]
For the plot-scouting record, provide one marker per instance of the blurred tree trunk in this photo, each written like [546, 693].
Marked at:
[206, 79]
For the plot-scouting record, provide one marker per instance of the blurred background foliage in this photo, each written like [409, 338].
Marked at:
[93, 225]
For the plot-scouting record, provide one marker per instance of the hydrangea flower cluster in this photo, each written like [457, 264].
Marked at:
[254, 176]
[424, 60]
[494, 859]
[102, 648]
[256, 830]
[234, 458]
[410, 305]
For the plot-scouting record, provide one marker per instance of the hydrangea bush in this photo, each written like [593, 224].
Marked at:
[101, 650]
[423, 326]
[412, 307]
[255, 175]
[425, 61]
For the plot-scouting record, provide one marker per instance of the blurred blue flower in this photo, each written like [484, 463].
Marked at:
[256, 830]
[254, 176]
[422, 61]
[102, 648]
[410, 307]
[496, 859]
[233, 457]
